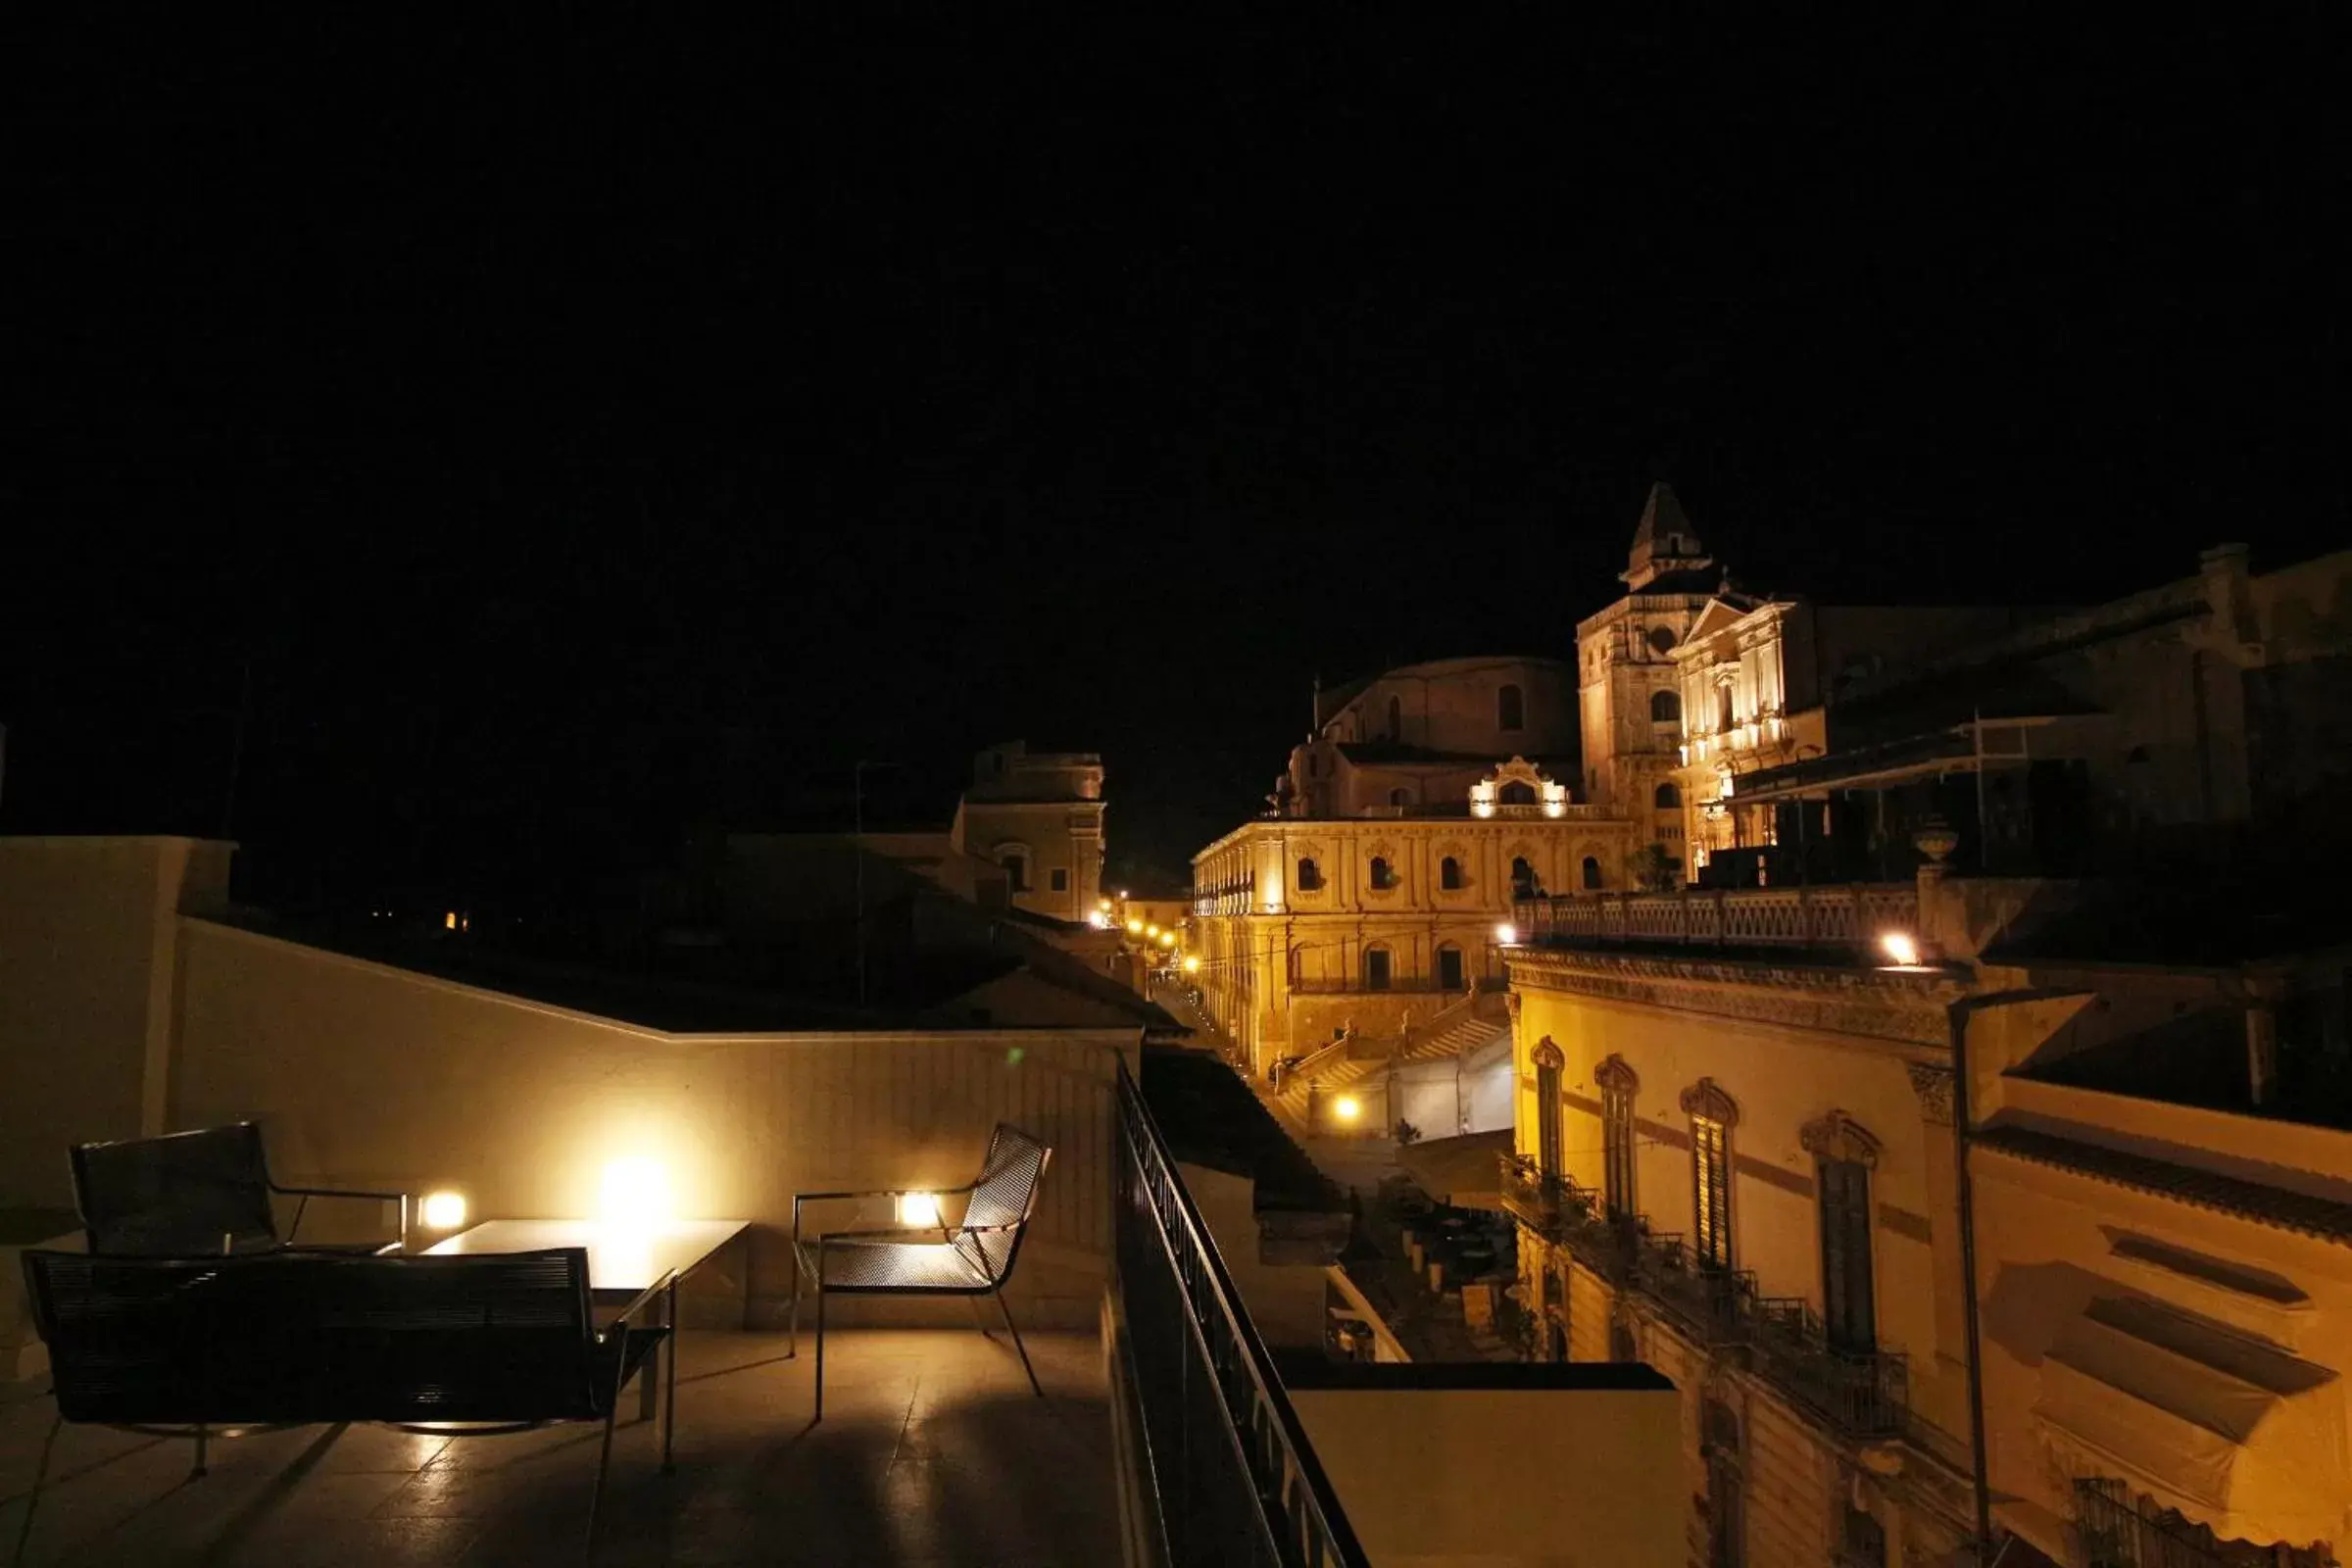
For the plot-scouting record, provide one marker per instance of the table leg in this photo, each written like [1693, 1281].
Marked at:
[649, 1381]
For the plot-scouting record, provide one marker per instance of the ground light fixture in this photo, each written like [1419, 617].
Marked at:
[1901, 948]
[444, 1211]
[919, 1210]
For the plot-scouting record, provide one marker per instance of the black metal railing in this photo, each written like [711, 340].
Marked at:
[2120, 1532]
[1233, 1477]
[1559, 1210]
[1862, 1394]
[1713, 1305]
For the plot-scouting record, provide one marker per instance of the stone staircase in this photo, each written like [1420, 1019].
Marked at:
[1465, 1024]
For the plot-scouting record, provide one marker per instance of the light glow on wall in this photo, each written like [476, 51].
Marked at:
[1506, 934]
[444, 1211]
[919, 1210]
[1191, 966]
[634, 1191]
[1097, 918]
[1347, 1108]
[1901, 949]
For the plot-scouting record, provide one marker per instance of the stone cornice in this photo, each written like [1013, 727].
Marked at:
[1910, 1009]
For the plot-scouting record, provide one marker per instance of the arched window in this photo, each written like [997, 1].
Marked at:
[1665, 707]
[1017, 870]
[1450, 874]
[1310, 876]
[1395, 720]
[1592, 874]
[1449, 968]
[1844, 1156]
[1376, 969]
[1510, 708]
[1665, 796]
[1549, 1063]
[1517, 793]
[1661, 641]
[1617, 1087]
[1713, 1113]
[1400, 797]
[1384, 875]
[1525, 884]
[1727, 1489]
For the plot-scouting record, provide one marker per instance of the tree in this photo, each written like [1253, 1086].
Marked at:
[1653, 870]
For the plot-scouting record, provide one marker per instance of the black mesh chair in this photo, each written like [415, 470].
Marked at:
[465, 1345]
[192, 1195]
[973, 1258]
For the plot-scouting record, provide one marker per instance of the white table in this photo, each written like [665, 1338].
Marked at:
[624, 1260]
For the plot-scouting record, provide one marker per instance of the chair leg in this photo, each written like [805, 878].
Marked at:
[1017, 1343]
[32, 1499]
[200, 1471]
[980, 1319]
[820, 1353]
[595, 1499]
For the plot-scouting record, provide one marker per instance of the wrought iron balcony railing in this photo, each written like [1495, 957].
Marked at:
[1861, 1394]
[1234, 1478]
[1559, 1210]
[1713, 1305]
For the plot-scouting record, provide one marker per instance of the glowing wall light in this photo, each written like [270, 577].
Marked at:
[1191, 966]
[1506, 934]
[1134, 929]
[1347, 1108]
[1900, 947]
[919, 1210]
[444, 1211]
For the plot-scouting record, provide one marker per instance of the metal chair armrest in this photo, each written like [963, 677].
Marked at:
[884, 1191]
[646, 1297]
[306, 1193]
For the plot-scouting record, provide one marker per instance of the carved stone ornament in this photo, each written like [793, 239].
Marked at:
[1707, 1097]
[1510, 1003]
[1616, 1074]
[1547, 1055]
[1839, 1136]
[1934, 1087]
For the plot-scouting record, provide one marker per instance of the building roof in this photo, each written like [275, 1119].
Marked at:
[2321, 1218]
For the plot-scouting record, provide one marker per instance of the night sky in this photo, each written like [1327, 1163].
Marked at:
[556, 431]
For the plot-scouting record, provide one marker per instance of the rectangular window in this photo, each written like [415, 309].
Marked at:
[1617, 1151]
[1376, 969]
[1061, 880]
[1847, 1310]
[1711, 1192]
[1449, 968]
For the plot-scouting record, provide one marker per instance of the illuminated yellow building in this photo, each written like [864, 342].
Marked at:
[1039, 817]
[1368, 900]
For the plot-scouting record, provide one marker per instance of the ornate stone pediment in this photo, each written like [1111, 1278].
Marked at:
[1616, 1074]
[1544, 797]
[1839, 1136]
[1707, 1099]
[1547, 1055]
[1934, 1087]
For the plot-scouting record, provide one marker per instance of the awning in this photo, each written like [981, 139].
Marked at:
[1465, 1171]
[2234, 1434]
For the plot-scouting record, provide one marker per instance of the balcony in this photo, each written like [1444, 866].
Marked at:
[1711, 1305]
[1353, 985]
[1572, 1216]
[1862, 1395]
[1848, 917]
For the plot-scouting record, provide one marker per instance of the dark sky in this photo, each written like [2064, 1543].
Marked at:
[558, 427]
